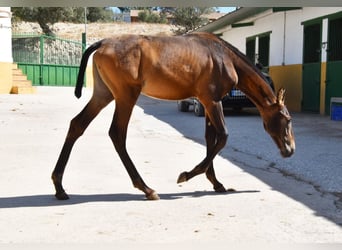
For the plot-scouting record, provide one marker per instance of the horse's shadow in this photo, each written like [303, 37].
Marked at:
[47, 200]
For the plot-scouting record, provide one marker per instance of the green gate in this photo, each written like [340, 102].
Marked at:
[311, 67]
[47, 61]
[334, 61]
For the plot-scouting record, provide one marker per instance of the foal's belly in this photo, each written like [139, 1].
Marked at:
[167, 90]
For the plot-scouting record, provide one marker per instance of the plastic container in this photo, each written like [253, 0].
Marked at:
[336, 109]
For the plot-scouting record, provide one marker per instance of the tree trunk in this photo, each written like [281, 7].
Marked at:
[46, 29]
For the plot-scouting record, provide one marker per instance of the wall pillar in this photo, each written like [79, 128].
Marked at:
[6, 60]
[323, 65]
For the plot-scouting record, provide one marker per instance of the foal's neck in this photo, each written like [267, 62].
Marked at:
[255, 87]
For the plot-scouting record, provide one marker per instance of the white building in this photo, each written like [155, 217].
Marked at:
[301, 47]
[6, 50]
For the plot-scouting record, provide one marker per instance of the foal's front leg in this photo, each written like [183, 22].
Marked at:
[118, 134]
[214, 112]
[210, 136]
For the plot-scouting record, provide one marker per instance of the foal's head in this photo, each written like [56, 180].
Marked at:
[277, 122]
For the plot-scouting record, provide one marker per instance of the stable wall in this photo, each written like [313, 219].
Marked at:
[322, 85]
[286, 47]
[289, 77]
[285, 36]
[6, 50]
[89, 73]
[6, 77]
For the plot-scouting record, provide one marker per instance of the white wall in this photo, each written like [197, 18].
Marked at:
[291, 39]
[5, 35]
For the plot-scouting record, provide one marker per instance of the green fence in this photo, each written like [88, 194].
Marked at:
[48, 61]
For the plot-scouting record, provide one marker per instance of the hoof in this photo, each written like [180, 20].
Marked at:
[182, 177]
[62, 196]
[231, 190]
[220, 189]
[153, 196]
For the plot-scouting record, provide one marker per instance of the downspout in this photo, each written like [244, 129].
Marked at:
[284, 38]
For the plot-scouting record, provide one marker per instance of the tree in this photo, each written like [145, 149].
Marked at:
[150, 16]
[190, 18]
[46, 17]
[124, 9]
[99, 14]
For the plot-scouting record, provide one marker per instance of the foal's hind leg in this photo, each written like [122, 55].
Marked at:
[77, 126]
[118, 133]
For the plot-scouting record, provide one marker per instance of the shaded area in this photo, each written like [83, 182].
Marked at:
[193, 128]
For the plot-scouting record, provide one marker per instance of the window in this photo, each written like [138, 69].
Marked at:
[250, 49]
[312, 43]
[258, 48]
[335, 40]
[264, 50]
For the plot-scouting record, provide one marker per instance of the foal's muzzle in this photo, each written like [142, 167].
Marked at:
[288, 148]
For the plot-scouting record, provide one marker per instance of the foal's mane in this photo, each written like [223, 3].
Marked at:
[248, 62]
[243, 57]
[235, 50]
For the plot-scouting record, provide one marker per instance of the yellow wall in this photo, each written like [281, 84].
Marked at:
[322, 97]
[89, 76]
[290, 78]
[6, 77]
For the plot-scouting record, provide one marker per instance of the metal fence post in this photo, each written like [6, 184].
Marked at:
[41, 59]
[84, 42]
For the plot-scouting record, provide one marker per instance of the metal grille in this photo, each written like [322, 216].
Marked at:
[312, 43]
[31, 48]
[335, 40]
[26, 48]
[47, 60]
[264, 50]
[250, 49]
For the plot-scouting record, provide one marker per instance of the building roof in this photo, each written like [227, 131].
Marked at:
[214, 15]
[210, 16]
[232, 18]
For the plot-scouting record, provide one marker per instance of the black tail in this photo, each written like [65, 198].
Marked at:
[83, 65]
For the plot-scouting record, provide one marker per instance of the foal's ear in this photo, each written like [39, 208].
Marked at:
[281, 96]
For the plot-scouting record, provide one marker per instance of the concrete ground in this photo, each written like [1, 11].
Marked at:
[295, 200]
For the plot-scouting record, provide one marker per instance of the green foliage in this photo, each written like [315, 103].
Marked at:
[96, 14]
[185, 19]
[124, 9]
[148, 16]
[46, 17]
[41, 15]
[190, 18]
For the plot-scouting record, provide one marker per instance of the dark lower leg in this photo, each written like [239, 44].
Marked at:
[199, 169]
[218, 187]
[210, 136]
[76, 129]
[57, 174]
[137, 181]
[216, 137]
[118, 134]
